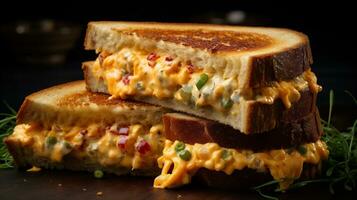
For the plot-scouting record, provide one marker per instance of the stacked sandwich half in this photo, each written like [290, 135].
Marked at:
[228, 106]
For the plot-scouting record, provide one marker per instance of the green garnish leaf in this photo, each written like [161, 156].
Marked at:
[7, 125]
[202, 81]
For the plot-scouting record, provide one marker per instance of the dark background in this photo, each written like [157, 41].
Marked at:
[330, 27]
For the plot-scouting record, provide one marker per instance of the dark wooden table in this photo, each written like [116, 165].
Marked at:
[68, 185]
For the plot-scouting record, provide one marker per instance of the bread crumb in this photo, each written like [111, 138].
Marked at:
[34, 169]
[59, 185]
[99, 193]
[25, 180]
[179, 196]
[84, 189]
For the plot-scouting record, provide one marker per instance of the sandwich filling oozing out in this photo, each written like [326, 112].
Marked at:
[180, 161]
[132, 147]
[132, 72]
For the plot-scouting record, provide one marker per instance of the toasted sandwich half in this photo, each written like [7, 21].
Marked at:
[220, 156]
[68, 127]
[250, 78]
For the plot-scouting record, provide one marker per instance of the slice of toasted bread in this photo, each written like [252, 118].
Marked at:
[193, 130]
[256, 55]
[253, 116]
[71, 104]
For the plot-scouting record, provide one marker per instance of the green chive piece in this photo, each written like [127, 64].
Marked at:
[226, 103]
[185, 92]
[226, 154]
[51, 140]
[185, 155]
[202, 81]
[67, 145]
[180, 146]
[139, 85]
[98, 173]
[302, 150]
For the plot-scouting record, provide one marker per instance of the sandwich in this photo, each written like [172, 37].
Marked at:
[225, 106]
[244, 98]
[67, 127]
[249, 78]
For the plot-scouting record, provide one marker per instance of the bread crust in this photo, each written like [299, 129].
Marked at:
[282, 54]
[193, 130]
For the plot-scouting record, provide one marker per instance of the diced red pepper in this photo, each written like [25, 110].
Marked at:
[122, 141]
[153, 57]
[143, 147]
[169, 59]
[126, 79]
[190, 68]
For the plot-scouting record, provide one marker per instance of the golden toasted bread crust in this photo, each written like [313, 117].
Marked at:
[213, 41]
[71, 103]
[29, 99]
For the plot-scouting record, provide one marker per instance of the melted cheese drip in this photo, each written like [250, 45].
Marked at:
[284, 166]
[163, 78]
[97, 144]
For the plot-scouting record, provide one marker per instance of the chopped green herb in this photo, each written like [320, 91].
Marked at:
[98, 173]
[302, 150]
[139, 85]
[185, 92]
[226, 154]
[51, 140]
[180, 146]
[202, 81]
[67, 145]
[226, 103]
[184, 155]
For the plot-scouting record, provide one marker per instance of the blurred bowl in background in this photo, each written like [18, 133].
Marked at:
[40, 42]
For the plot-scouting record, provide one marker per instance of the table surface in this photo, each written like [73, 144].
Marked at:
[15, 184]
